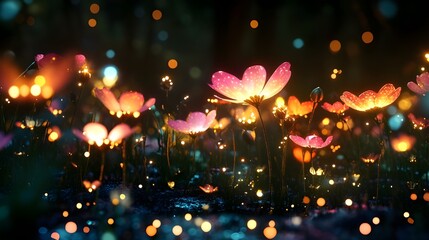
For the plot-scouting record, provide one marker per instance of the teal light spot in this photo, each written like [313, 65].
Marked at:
[298, 43]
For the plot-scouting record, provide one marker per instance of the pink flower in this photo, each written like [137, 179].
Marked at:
[195, 123]
[252, 88]
[370, 99]
[129, 102]
[96, 133]
[337, 107]
[311, 141]
[421, 86]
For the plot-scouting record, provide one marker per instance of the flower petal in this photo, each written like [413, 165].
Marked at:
[299, 140]
[415, 88]
[210, 118]
[228, 85]
[352, 101]
[387, 95]
[131, 101]
[108, 99]
[293, 105]
[314, 141]
[119, 132]
[423, 81]
[179, 125]
[148, 104]
[277, 81]
[196, 121]
[254, 80]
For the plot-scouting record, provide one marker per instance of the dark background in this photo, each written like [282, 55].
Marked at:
[208, 36]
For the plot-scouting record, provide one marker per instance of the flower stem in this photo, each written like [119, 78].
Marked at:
[268, 154]
[103, 159]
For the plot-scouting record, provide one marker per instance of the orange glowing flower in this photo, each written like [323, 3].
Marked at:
[421, 86]
[311, 141]
[370, 99]
[296, 108]
[195, 123]
[129, 102]
[337, 107]
[253, 87]
[208, 188]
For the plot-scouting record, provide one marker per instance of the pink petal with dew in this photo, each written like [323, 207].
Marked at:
[298, 140]
[423, 81]
[228, 85]
[254, 80]
[131, 101]
[327, 141]
[179, 125]
[120, 132]
[277, 81]
[148, 104]
[314, 141]
[95, 131]
[108, 99]
[415, 88]
[196, 121]
[5, 139]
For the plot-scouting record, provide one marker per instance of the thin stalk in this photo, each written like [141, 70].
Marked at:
[268, 154]
[284, 148]
[124, 167]
[303, 169]
[234, 159]
[103, 159]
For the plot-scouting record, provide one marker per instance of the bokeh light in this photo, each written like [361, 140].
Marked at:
[365, 229]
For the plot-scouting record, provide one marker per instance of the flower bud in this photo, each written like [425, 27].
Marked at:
[316, 95]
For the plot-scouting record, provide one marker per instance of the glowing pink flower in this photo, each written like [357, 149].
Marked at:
[370, 99]
[337, 107]
[252, 88]
[421, 86]
[195, 123]
[311, 141]
[129, 102]
[96, 133]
